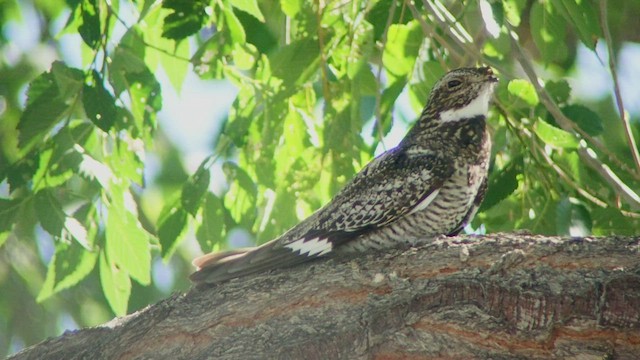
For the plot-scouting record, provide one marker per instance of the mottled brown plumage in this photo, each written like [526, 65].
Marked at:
[430, 184]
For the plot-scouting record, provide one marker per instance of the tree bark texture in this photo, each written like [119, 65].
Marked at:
[502, 296]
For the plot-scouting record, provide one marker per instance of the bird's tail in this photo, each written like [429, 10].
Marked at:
[217, 267]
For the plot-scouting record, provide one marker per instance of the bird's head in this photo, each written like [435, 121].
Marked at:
[461, 94]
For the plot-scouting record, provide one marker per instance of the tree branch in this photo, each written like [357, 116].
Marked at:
[462, 297]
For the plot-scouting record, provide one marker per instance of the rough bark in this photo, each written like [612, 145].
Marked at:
[491, 297]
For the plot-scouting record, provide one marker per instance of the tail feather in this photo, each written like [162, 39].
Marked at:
[218, 267]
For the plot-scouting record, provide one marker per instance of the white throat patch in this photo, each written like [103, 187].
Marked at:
[478, 106]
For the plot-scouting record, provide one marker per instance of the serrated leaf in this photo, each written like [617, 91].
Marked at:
[98, 103]
[78, 232]
[554, 136]
[68, 266]
[560, 90]
[524, 91]
[584, 17]
[125, 60]
[146, 99]
[241, 116]
[46, 103]
[207, 59]
[212, 227]
[90, 30]
[548, 32]
[92, 169]
[171, 230]
[116, 285]
[572, 218]
[587, 120]
[513, 10]
[187, 18]
[240, 200]
[8, 211]
[195, 188]
[295, 63]
[49, 212]
[249, 6]
[175, 66]
[502, 183]
[387, 101]
[401, 49]
[127, 243]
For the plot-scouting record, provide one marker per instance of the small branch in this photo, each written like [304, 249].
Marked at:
[323, 56]
[605, 172]
[384, 39]
[616, 87]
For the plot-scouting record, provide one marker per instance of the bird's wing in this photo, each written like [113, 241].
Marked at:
[391, 186]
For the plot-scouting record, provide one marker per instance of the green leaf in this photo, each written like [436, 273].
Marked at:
[175, 66]
[126, 59]
[560, 90]
[236, 31]
[360, 49]
[573, 218]
[548, 32]
[207, 59]
[172, 226]
[195, 188]
[78, 232]
[116, 285]
[212, 227]
[125, 160]
[582, 14]
[4, 236]
[68, 266]
[524, 91]
[241, 116]
[296, 62]
[46, 103]
[587, 120]
[187, 17]
[419, 91]
[240, 200]
[8, 210]
[249, 6]
[554, 136]
[513, 10]
[49, 212]
[90, 30]
[127, 243]
[99, 104]
[387, 101]
[401, 49]
[502, 183]
[291, 7]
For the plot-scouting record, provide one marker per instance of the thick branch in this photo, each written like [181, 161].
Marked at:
[499, 296]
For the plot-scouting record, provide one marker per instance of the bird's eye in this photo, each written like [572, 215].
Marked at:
[454, 83]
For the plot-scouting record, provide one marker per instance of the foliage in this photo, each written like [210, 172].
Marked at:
[312, 76]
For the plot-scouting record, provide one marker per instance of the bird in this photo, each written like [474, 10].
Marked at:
[431, 184]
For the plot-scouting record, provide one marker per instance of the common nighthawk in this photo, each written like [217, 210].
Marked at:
[430, 184]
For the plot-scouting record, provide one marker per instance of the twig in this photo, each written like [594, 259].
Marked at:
[429, 31]
[323, 57]
[616, 87]
[607, 174]
[384, 39]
